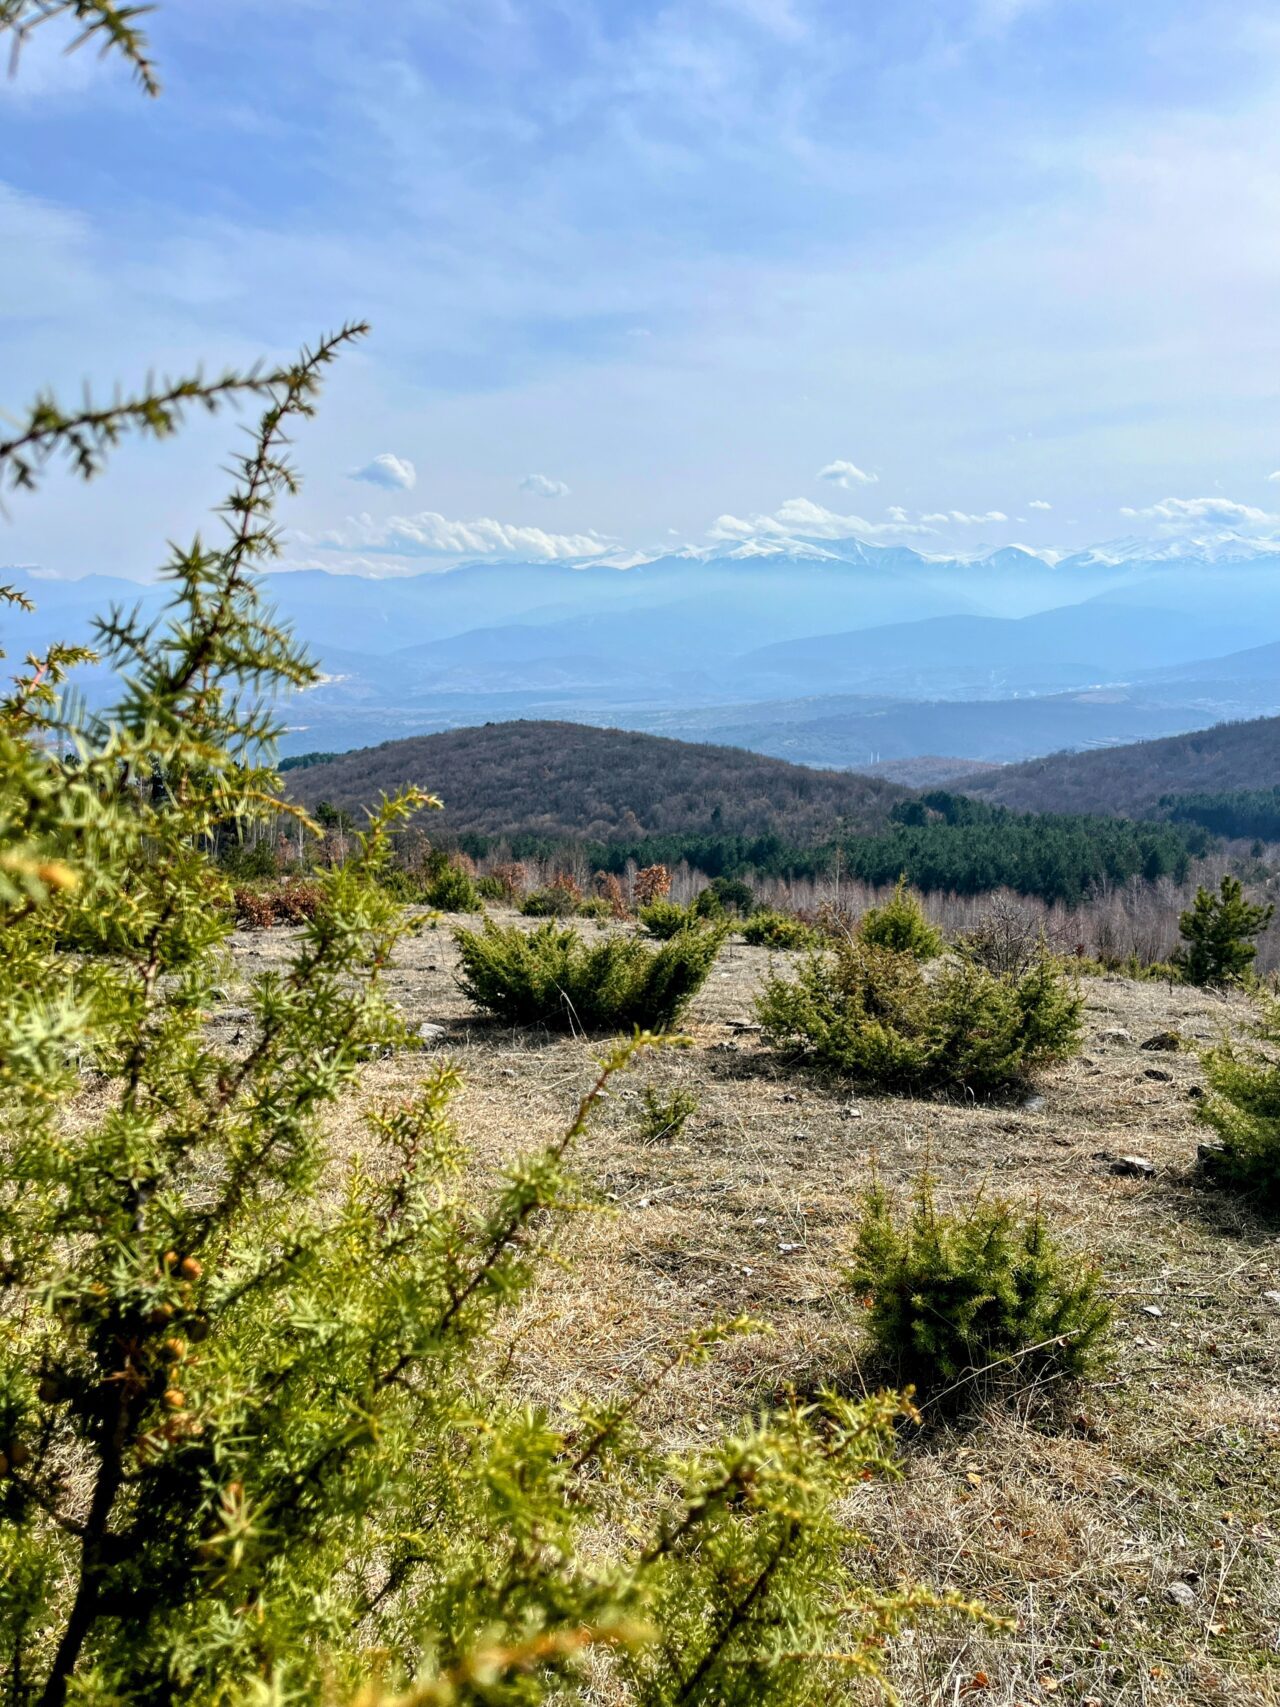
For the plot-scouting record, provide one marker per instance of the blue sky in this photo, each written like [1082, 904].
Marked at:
[649, 274]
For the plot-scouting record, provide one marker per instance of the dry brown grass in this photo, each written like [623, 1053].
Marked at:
[1071, 1512]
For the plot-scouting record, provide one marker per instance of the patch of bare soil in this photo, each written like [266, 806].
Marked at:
[1132, 1527]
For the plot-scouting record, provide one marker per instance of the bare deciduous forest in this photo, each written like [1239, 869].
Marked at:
[567, 779]
[1133, 780]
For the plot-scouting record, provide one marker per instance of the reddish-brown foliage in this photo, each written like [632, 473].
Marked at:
[652, 884]
[513, 877]
[567, 885]
[610, 889]
[286, 904]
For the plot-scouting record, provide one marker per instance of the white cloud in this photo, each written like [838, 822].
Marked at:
[800, 518]
[962, 518]
[846, 474]
[1275, 476]
[396, 473]
[1186, 512]
[896, 513]
[1038, 504]
[429, 534]
[542, 487]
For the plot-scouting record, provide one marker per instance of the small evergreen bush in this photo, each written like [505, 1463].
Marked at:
[726, 895]
[400, 883]
[900, 924]
[1243, 1108]
[664, 919]
[491, 888]
[553, 903]
[249, 863]
[663, 1118]
[767, 929]
[453, 890]
[1127, 966]
[949, 1296]
[1217, 929]
[550, 976]
[871, 1013]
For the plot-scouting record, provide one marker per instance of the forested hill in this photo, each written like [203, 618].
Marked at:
[538, 787]
[1134, 781]
[571, 782]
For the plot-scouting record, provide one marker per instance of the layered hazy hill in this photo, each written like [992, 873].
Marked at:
[1131, 781]
[838, 654]
[568, 781]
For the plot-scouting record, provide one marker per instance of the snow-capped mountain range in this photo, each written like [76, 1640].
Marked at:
[1221, 546]
[830, 650]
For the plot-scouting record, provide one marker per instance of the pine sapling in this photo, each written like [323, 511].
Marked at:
[1217, 930]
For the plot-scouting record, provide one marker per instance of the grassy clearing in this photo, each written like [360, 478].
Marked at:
[1076, 1514]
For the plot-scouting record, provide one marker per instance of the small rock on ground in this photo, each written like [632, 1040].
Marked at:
[1168, 1042]
[1136, 1166]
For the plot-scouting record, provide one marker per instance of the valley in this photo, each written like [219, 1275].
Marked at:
[842, 656]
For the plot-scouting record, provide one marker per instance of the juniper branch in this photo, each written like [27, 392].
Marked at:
[114, 27]
[86, 434]
[263, 473]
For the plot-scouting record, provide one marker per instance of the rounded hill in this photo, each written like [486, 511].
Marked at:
[1134, 781]
[575, 782]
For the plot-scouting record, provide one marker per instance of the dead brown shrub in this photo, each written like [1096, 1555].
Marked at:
[653, 883]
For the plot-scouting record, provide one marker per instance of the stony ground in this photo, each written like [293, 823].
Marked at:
[1131, 1528]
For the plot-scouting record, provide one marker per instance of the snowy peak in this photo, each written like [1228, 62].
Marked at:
[1187, 551]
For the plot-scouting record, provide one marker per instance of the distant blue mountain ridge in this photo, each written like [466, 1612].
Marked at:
[1112, 643]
